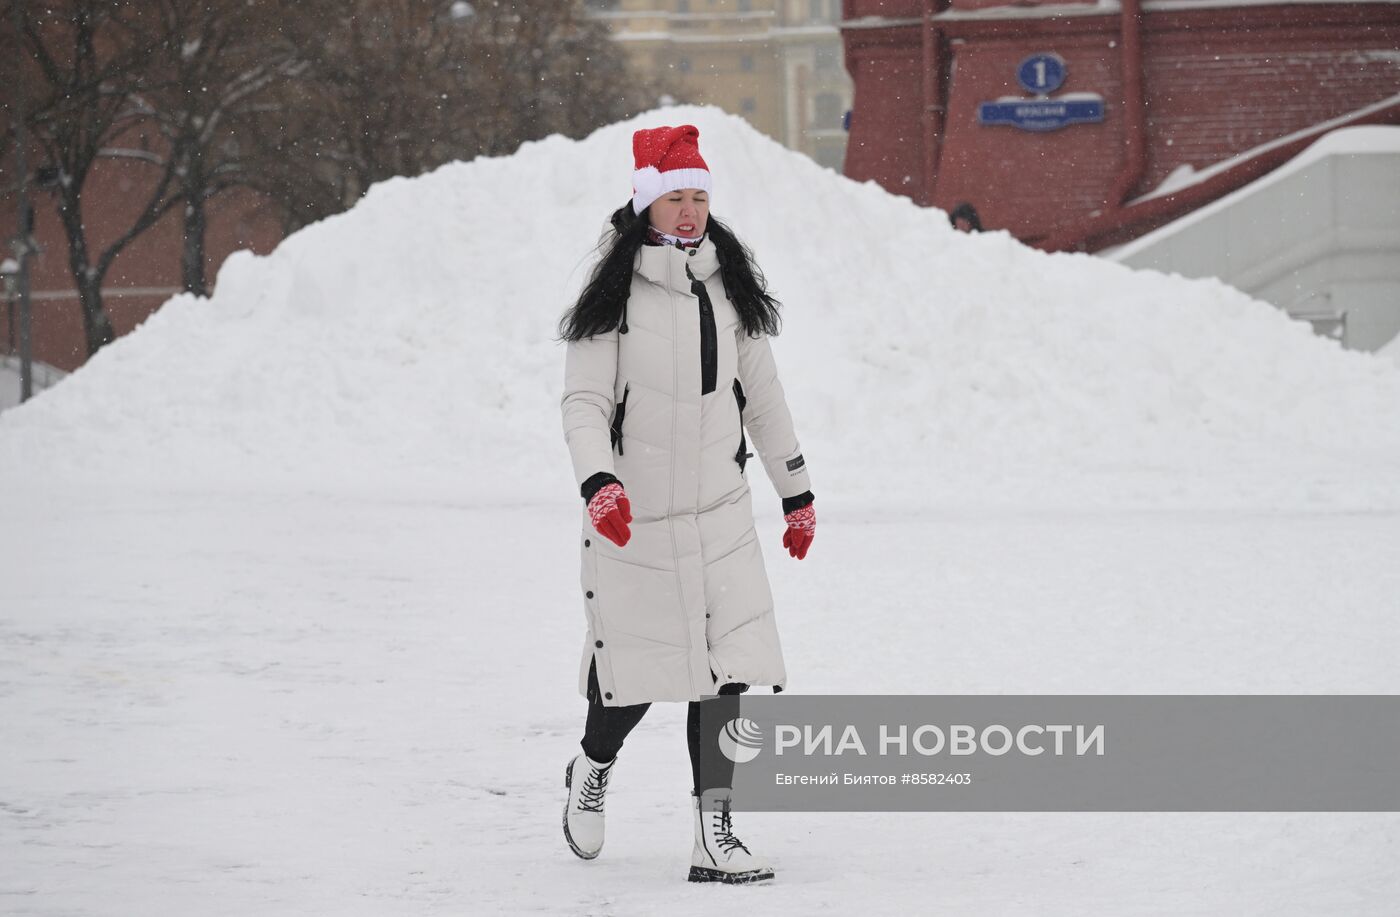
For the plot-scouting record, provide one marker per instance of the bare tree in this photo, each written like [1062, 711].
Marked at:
[211, 73]
[310, 109]
[543, 68]
[398, 87]
[376, 98]
[88, 58]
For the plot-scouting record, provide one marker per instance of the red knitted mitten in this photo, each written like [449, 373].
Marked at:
[802, 526]
[610, 511]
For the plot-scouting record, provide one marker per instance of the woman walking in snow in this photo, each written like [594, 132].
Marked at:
[668, 362]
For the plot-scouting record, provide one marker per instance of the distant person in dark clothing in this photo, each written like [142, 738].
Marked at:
[964, 217]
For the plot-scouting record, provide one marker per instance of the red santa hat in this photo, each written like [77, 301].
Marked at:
[667, 159]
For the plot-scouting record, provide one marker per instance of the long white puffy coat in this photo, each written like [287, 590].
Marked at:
[685, 606]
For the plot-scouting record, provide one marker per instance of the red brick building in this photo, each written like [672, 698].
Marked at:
[143, 276]
[1181, 82]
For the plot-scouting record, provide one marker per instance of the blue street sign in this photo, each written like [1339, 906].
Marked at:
[1041, 114]
[1041, 74]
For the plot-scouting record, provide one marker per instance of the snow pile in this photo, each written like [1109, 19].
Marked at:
[409, 342]
[1391, 350]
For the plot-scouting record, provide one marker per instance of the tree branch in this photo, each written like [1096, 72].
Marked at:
[113, 152]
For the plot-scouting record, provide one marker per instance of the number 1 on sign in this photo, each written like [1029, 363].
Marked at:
[1042, 73]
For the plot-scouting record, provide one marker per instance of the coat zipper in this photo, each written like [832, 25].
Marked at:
[709, 344]
[671, 488]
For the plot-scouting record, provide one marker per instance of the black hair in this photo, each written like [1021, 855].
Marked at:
[602, 306]
[965, 211]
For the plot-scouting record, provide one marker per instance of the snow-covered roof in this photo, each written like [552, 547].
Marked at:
[1187, 176]
[1352, 141]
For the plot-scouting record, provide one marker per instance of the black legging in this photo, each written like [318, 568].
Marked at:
[606, 728]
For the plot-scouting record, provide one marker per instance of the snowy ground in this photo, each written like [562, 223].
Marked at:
[361, 703]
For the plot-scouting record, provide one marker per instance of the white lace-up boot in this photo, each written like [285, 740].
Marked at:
[718, 855]
[587, 782]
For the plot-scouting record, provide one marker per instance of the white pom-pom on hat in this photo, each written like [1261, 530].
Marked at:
[647, 185]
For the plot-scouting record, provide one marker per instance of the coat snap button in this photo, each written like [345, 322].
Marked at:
[598, 643]
[707, 614]
[608, 695]
[589, 593]
[586, 542]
